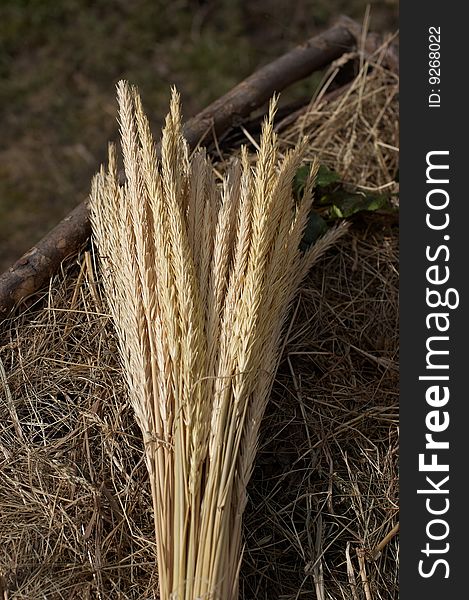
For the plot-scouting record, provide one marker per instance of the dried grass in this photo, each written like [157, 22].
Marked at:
[198, 326]
[357, 133]
[75, 518]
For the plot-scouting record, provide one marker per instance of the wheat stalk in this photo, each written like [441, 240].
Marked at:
[199, 279]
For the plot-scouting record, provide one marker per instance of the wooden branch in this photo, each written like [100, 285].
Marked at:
[35, 267]
[254, 91]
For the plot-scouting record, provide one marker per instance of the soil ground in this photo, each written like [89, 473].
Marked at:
[60, 60]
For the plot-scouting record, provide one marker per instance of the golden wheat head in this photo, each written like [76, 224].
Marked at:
[199, 279]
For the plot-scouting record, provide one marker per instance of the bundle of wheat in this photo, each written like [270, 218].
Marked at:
[199, 279]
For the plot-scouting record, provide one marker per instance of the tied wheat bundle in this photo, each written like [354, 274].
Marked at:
[199, 278]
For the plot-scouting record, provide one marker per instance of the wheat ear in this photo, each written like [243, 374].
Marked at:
[199, 279]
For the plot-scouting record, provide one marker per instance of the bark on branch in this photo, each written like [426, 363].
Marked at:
[35, 267]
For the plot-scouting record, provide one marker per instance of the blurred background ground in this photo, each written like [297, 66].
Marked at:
[60, 60]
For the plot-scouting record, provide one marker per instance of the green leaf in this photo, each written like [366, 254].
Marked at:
[334, 201]
[315, 228]
[326, 176]
[345, 204]
[299, 180]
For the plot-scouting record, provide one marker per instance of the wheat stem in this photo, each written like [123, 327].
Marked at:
[199, 279]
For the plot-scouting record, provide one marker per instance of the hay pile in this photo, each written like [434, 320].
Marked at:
[75, 500]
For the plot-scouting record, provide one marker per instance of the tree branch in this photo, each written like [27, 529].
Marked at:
[43, 260]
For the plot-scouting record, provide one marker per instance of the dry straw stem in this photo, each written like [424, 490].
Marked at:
[199, 279]
[356, 134]
[75, 517]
